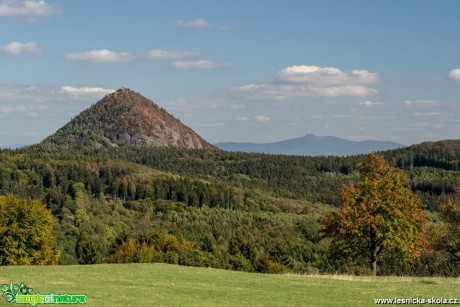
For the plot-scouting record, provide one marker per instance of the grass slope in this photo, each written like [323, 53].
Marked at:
[170, 285]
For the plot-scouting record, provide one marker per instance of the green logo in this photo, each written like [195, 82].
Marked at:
[21, 294]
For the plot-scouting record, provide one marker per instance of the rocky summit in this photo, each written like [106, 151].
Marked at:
[125, 118]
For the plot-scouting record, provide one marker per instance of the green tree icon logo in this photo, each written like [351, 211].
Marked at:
[10, 291]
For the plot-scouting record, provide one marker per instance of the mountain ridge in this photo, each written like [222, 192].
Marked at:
[312, 145]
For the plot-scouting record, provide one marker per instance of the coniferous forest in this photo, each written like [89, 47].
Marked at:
[211, 208]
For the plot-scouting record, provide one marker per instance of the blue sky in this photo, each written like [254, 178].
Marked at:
[257, 71]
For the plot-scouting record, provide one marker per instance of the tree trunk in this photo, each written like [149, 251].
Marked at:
[374, 266]
[373, 252]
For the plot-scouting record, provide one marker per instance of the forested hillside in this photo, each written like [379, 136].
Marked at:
[241, 211]
[124, 118]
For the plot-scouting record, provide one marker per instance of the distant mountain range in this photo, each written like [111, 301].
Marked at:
[312, 145]
[126, 118]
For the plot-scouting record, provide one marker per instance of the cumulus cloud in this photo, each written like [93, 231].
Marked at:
[302, 80]
[16, 48]
[29, 9]
[78, 91]
[369, 103]
[159, 54]
[101, 56]
[327, 75]
[199, 23]
[454, 74]
[201, 64]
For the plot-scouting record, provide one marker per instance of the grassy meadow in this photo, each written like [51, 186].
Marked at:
[170, 285]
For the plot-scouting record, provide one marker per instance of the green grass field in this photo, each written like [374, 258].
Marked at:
[171, 285]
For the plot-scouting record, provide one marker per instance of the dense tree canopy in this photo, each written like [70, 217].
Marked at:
[240, 211]
[448, 237]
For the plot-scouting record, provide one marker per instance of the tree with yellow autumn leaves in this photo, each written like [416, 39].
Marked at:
[26, 232]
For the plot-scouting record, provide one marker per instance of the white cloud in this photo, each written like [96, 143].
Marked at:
[345, 90]
[299, 81]
[285, 92]
[77, 91]
[262, 118]
[40, 96]
[199, 23]
[16, 48]
[40, 108]
[163, 54]
[455, 74]
[30, 9]
[369, 103]
[422, 103]
[101, 56]
[428, 114]
[327, 75]
[257, 118]
[266, 91]
[201, 64]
